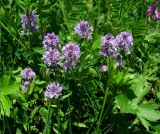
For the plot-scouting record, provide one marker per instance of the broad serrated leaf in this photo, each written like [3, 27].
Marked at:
[123, 104]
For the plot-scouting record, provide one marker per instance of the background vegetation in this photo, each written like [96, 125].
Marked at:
[120, 101]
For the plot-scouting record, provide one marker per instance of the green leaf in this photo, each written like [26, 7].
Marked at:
[144, 122]
[96, 44]
[4, 81]
[18, 131]
[122, 103]
[6, 105]
[18, 79]
[93, 71]
[78, 124]
[149, 105]
[39, 50]
[66, 96]
[158, 95]
[8, 88]
[34, 111]
[17, 71]
[40, 82]
[148, 114]
[31, 87]
[140, 88]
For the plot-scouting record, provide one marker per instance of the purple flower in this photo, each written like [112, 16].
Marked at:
[25, 86]
[109, 45]
[124, 41]
[119, 56]
[104, 69]
[119, 60]
[154, 5]
[52, 57]
[156, 16]
[71, 54]
[71, 51]
[50, 41]
[119, 63]
[70, 64]
[84, 30]
[149, 11]
[53, 90]
[28, 22]
[28, 74]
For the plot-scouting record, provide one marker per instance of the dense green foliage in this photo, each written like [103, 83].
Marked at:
[120, 101]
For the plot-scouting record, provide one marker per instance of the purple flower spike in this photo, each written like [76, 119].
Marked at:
[109, 45]
[154, 5]
[53, 90]
[149, 11]
[50, 41]
[124, 41]
[28, 74]
[71, 51]
[71, 54]
[156, 16]
[28, 24]
[52, 57]
[84, 30]
[25, 86]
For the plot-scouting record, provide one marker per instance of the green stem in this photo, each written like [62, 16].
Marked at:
[69, 117]
[106, 94]
[157, 26]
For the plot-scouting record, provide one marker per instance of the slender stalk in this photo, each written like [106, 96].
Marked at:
[106, 94]
[157, 26]
[48, 123]
[69, 116]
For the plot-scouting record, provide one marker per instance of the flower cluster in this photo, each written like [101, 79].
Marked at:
[53, 90]
[50, 41]
[153, 10]
[124, 41]
[84, 30]
[112, 46]
[28, 21]
[52, 58]
[108, 44]
[71, 54]
[27, 75]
